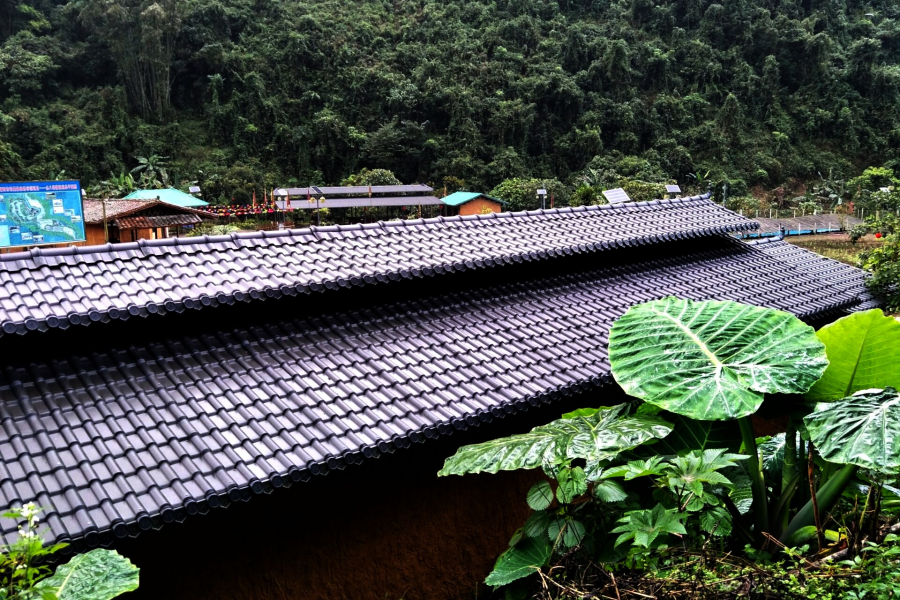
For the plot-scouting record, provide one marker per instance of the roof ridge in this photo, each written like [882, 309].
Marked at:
[174, 274]
[246, 235]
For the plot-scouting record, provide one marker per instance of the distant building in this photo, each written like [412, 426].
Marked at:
[169, 195]
[132, 220]
[471, 203]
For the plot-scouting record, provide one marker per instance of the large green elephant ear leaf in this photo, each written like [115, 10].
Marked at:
[96, 575]
[712, 360]
[595, 437]
[691, 434]
[863, 430]
[863, 353]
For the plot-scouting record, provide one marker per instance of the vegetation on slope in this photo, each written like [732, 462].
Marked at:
[245, 94]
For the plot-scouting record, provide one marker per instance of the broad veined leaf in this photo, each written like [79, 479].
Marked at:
[741, 493]
[712, 360]
[609, 491]
[537, 523]
[636, 468]
[539, 496]
[862, 430]
[581, 412]
[572, 483]
[690, 434]
[717, 521]
[566, 531]
[574, 533]
[597, 437]
[863, 353]
[645, 526]
[96, 575]
[771, 453]
[520, 561]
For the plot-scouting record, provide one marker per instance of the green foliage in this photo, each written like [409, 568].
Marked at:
[521, 194]
[96, 575]
[479, 91]
[688, 486]
[25, 575]
[372, 177]
[691, 434]
[862, 430]
[863, 352]
[872, 179]
[596, 437]
[644, 527]
[883, 263]
[712, 360]
[540, 496]
[520, 561]
[152, 170]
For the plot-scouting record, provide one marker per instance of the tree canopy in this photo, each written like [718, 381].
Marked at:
[245, 94]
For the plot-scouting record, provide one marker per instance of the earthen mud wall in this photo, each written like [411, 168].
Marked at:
[383, 530]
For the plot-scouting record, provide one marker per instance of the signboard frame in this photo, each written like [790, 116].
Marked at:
[45, 186]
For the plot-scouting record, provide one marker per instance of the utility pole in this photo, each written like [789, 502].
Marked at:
[542, 196]
[105, 228]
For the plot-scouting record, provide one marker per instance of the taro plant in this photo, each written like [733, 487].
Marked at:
[683, 464]
[26, 574]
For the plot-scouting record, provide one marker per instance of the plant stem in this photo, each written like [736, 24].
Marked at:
[788, 474]
[826, 498]
[811, 473]
[789, 466]
[760, 502]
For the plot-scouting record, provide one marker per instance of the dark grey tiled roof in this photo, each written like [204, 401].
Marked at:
[123, 436]
[45, 289]
[834, 274]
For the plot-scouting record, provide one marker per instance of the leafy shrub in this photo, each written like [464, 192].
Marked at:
[684, 468]
[883, 263]
[372, 177]
[25, 573]
[521, 194]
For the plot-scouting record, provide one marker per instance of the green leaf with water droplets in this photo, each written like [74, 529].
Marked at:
[600, 436]
[96, 575]
[863, 430]
[712, 360]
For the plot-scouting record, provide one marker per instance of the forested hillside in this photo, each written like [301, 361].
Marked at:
[254, 93]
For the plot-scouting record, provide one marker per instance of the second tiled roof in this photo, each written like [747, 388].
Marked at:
[131, 434]
[45, 289]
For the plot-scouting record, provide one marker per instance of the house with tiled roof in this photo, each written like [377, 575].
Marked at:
[261, 415]
[129, 220]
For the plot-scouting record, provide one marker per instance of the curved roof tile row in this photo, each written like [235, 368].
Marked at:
[141, 433]
[45, 289]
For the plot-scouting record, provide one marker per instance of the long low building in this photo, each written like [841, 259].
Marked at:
[147, 384]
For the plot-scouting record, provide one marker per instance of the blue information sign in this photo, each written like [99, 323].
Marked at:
[35, 213]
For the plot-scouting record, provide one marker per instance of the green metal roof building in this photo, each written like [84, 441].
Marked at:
[169, 196]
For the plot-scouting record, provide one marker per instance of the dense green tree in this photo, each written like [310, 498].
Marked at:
[246, 94]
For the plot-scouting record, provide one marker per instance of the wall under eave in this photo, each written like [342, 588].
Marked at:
[386, 529]
[94, 234]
